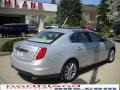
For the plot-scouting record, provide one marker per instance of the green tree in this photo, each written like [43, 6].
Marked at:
[102, 13]
[104, 24]
[70, 10]
[50, 20]
[114, 7]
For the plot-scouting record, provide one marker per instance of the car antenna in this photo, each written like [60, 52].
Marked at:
[65, 22]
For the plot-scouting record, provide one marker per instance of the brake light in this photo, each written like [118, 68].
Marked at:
[41, 53]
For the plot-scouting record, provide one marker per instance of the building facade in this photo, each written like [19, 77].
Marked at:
[89, 13]
[21, 11]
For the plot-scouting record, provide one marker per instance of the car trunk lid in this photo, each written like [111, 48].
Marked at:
[27, 50]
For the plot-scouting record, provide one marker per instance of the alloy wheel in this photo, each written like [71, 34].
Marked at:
[69, 71]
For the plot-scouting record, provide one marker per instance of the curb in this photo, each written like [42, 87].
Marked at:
[4, 53]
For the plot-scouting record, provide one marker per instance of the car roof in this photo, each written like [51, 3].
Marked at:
[62, 30]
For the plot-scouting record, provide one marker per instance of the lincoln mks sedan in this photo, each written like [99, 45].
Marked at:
[60, 53]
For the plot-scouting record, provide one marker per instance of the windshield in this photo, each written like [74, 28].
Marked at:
[46, 37]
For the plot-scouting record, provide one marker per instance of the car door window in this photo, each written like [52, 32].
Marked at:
[94, 37]
[79, 37]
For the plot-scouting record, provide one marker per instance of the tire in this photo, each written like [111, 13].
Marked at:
[111, 55]
[65, 74]
[23, 34]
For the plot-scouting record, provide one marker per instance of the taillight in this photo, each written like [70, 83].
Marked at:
[41, 53]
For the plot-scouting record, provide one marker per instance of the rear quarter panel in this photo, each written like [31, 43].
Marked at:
[60, 51]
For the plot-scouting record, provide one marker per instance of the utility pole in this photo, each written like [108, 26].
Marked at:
[65, 22]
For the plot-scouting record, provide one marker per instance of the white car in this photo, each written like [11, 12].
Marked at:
[60, 53]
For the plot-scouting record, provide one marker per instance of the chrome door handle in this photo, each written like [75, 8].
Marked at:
[78, 48]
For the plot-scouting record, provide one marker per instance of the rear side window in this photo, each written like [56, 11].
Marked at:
[46, 37]
[94, 37]
[79, 37]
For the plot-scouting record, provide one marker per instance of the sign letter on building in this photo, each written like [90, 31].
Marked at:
[40, 6]
[25, 5]
[33, 5]
[16, 4]
[7, 3]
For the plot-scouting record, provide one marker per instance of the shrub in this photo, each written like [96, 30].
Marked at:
[105, 31]
[7, 46]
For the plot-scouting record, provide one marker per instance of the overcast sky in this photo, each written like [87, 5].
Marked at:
[95, 2]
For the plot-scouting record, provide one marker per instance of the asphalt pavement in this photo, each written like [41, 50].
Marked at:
[102, 73]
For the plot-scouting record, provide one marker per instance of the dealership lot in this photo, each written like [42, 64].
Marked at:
[103, 73]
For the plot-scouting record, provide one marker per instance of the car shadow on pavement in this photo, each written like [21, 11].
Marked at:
[93, 80]
[77, 81]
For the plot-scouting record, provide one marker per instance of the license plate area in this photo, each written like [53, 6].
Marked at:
[19, 53]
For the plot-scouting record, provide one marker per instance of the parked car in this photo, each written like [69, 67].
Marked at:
[16, 29]
[54, 26]
[60, 53]
[48, 27]
[51, 27]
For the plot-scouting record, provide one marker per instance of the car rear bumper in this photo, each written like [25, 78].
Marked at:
[39, 76]
[34, 68]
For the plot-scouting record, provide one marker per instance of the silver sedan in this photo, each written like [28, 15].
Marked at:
[60, 53]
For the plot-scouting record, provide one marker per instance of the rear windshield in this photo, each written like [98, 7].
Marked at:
[45, 37]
